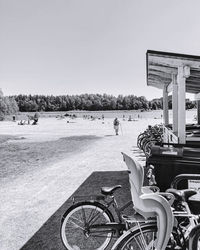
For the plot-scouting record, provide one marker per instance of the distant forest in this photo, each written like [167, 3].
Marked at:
[90, 102]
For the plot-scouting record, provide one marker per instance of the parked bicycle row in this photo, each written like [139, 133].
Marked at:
[160, 220]
[151, 136]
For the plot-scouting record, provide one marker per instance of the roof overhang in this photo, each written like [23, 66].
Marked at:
[161, 66]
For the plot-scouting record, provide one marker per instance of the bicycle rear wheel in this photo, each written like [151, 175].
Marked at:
[82, 227]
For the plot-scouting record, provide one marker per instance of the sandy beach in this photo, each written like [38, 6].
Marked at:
[41, 166]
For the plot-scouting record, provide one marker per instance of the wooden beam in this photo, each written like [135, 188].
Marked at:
[159, 78]
[156, 84]
[160, 73]
[191, 91]
[192, 88]
[169, 70]
[160, 85]
[196, 89]
[195, 73]
[173, 62]
[195, 81]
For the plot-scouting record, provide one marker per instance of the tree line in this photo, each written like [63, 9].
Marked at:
[90, 102]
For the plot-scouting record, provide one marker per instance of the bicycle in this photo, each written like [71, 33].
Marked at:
[151, 136]
[89, 224]
[186, 228]
[184, 223]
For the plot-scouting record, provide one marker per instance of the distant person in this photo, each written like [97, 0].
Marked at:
[116, 126]
[102, 117]
[35, 118]
[129, 119]
[14, 119]
[28, 117]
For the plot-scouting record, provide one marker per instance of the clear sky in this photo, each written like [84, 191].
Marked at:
[90, 46]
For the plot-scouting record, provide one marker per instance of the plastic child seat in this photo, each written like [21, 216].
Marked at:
[150, 204]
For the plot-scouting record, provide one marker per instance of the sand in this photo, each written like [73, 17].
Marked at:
[32, 190]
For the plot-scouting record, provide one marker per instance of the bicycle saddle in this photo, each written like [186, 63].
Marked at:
[110, 190]
[181, 195]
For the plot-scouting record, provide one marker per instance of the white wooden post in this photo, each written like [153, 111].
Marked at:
[165, 106]
[175, 103]
[181, 105]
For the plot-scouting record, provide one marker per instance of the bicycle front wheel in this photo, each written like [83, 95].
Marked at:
[83, 227]
[142, 237]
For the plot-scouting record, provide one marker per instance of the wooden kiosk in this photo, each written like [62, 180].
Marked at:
[175, 74]
[180, 151]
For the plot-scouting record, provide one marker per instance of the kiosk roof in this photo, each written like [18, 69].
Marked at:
[162, 65]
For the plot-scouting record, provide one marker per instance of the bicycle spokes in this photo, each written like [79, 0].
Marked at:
[84, 228]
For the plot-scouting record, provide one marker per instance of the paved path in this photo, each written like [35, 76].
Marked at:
[48, 236]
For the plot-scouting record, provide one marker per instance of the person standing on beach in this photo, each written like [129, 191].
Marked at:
[35, 118]
[116, 125]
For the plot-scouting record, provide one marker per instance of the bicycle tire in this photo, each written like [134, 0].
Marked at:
[142, 141]
[136, 238]
[77, 222]
[140, 137]
[194, 238]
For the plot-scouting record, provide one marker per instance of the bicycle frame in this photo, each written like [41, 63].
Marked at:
[115, 227]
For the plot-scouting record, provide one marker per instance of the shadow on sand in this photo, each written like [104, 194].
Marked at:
[48, 236]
